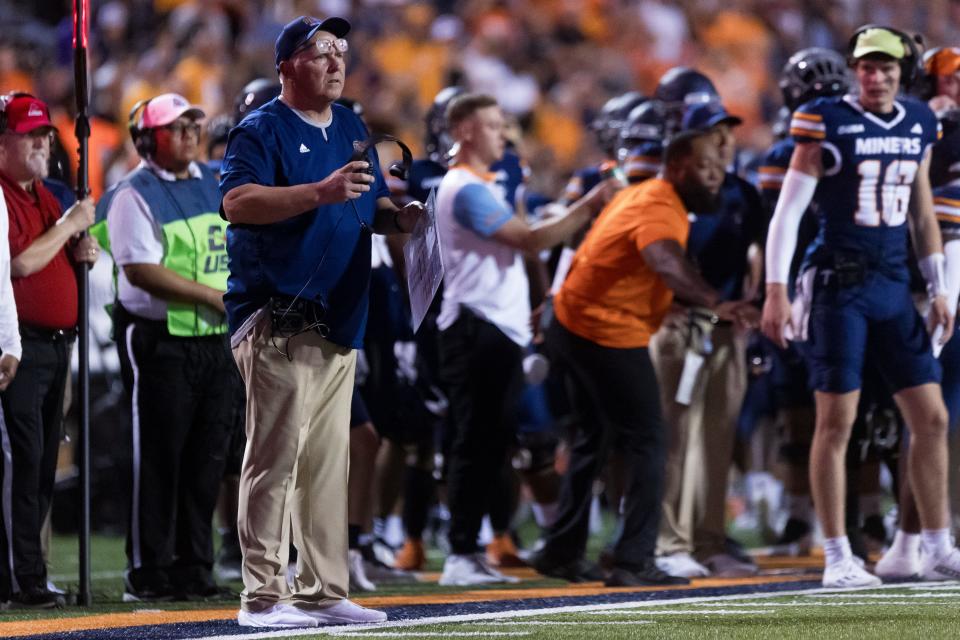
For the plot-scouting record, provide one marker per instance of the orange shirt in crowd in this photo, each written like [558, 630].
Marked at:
[611, 296]
[104, 142]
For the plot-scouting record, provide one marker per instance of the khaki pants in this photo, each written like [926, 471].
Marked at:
[700, 444]
[295, 468]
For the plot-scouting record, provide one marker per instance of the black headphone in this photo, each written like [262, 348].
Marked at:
[143, 139]
[910, 64]
[6, 99]
[399, 170]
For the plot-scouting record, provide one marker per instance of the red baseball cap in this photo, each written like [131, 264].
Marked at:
[26, 113]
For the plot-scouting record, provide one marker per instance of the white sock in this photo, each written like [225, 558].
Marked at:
[936, 542]
[544, 513]
[800, 507]
[905, 544]
[836, 549]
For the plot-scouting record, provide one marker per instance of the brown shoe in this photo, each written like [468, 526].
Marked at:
[503, 553]
[411, 556]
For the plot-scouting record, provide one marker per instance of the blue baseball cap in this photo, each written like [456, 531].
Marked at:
[702, 117]
[296, 32]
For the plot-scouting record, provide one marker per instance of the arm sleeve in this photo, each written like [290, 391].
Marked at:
[795, 197]
[476, 208]
[247, 160]
[135, 237]
[807, 124]
[9, 327]
[659, 222]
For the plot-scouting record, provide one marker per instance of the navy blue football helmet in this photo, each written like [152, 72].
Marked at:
[680, 88]
[647, 122]
[613, 115]
[438, 141]
[813, 73]
[255, 94]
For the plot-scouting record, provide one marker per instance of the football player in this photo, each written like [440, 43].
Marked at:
[808, 74]
[865, 161]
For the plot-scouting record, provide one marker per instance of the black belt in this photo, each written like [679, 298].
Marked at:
[47, 335]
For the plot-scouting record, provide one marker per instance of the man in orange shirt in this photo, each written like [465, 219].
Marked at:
[619, 289]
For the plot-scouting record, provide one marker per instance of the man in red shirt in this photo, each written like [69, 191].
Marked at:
[43, 253]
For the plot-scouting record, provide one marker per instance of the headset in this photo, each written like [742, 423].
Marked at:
[143, 139]
[399, 170]
[910, 64]
[287, 318]
[6, 99]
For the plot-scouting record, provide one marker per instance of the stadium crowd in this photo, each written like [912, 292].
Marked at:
[629, 197]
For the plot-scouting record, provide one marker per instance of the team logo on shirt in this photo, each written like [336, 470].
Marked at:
[850, 128]
[916, 129]
[887, 145]
[304, 148]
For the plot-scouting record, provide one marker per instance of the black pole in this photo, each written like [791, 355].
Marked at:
[80, 22]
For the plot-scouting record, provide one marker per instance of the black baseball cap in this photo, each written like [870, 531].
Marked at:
[296, 32]
[702, 117]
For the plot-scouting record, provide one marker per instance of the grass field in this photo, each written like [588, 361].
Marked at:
[784, 603]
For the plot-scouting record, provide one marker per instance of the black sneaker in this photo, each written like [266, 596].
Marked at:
[158, 589]
[574, 571]
[38, 598]
[794, 531]
[647, 575]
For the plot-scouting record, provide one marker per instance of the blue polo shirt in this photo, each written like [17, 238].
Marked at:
[322, 254]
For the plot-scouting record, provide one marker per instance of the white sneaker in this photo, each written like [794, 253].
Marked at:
[847, 574]
[467, 570]
[344, 612]
[944, 567]
[681, 564]
[896, 564]
[358, 575]
[728, 566]
[279, 616]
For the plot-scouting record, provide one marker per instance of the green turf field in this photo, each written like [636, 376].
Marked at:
[901, 612]
[911, 612]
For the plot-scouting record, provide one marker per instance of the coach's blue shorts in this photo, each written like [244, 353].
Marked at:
[879, 316]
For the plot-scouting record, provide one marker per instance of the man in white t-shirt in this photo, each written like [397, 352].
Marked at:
[484, 320]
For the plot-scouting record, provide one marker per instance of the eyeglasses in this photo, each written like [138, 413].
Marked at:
[182, 128]
[326, 47]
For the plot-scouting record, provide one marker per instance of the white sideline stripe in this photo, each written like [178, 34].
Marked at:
[929, 587]
[681, 612]
[529, 613]
[923, 594]
[841, 603]
[427, 634]
[561, 623]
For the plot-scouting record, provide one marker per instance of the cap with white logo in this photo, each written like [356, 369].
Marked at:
[164, 109]
[26, 113]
